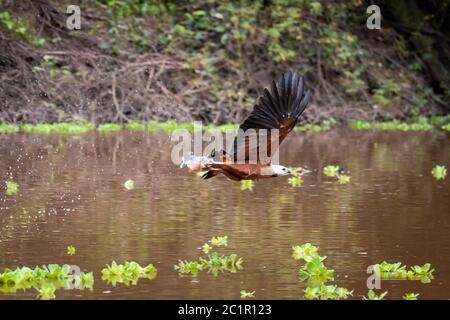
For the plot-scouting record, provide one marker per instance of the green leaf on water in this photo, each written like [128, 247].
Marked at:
[336, 171]
[331, 171]
[214, 262]
[295, 181]
[397, 270]
[71, 250]
[206, 248]
[46, 292]
[410, 296]
[129, 184]
[247, 184]
[45, 280]
[247, 294]
[371, 295]
[128, 273]
[11, 188]
[439, 172]
[220, 241]
[327, 292]
[305, 252]
[343, 179]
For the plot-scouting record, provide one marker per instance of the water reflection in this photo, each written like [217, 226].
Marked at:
[71, 192]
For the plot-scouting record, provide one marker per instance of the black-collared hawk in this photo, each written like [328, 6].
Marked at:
[279, 108]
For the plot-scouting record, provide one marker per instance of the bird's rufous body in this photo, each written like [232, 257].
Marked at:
[277, 111]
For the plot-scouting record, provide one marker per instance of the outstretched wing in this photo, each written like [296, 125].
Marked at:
[278, 108]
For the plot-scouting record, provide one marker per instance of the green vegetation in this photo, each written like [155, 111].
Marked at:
[46, 292]
[82, 126]
[20, 28]
[439, 172]
[247, 294]
[327, 292]
[110, 127]
[371, 295]
[129, 184]
[45, 280]
[397, 270]
[323, 126]
[343, 179]
[9, 128]
[63, 127]
[336, 171]
[11, 187]
[128, 273]
[315, 270]
[204, 58]
[317, 274]
[247, 184]
[214, 262]
[71, 250]
[411, 296]
[391, 125]
[79, 126]
[305, 252]
[331, 171]
[295, 181]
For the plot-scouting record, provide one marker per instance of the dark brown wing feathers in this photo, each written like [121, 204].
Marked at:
[278, 108]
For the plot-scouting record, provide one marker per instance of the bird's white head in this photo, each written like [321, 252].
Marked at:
[280, 170]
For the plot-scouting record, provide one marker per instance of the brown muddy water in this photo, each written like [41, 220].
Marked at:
[71, 192]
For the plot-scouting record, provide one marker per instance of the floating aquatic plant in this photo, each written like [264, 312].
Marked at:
[411, 296]
[206, 248]
[219, 241]
[317, 274]
[247, 294]
[343, 179]
[127, 273]
[79, 126]
[323, 126]
[305, 252]
[46, 292]
[11, 187]
[371, 295]
[247, 184]
[331, 171]
[391, 125]
[110, 127]
[315, 270]
[439, 172]
[295, 181]
[327, 292]
[397, 270]
[71, 250]
[185, 267]
[337, 172]
[214, 262]
[129, 184]
[45, 280]
[76, 127]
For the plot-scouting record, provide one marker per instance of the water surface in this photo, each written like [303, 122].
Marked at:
[71, 193]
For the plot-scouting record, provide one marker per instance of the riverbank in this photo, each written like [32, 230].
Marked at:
[157, 60]
[79, 127]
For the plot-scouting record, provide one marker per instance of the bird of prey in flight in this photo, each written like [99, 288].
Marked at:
[276, 113]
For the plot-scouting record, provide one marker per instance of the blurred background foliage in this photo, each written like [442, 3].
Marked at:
[209, 60]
